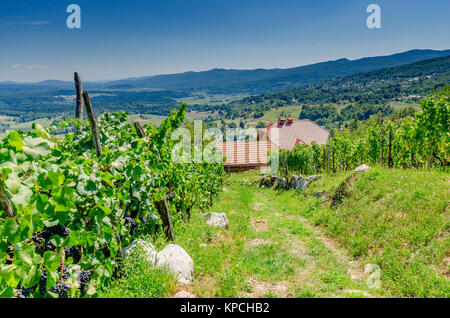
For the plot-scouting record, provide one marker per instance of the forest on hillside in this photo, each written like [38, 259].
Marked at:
[359, 96]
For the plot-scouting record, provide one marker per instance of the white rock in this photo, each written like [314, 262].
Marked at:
[362, 168]
[145, 249]
[177, 261]
[183, 294]
[217, 219]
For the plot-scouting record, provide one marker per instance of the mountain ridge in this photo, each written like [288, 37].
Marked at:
[248, 81]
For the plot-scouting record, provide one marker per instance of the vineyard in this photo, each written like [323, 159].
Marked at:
[69, 205]
[416, 141]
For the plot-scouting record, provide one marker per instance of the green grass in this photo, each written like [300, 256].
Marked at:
[140, 281]
[397, 219]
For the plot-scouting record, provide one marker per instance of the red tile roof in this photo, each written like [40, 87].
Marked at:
[242, 153]
[255, 153]
[298, 132]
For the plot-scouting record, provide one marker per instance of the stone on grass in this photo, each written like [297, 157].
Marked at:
[177, 261]
[314, 177]
[217, 220]
[298, 182]
[321, 193]
[362, 168]
[183, 294]
[142, 249]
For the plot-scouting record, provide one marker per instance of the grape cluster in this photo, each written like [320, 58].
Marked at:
[65, 272]
[84, 279]
[43, 238]
[56, 230]
[22, 293]
[74, 252]
[61, 289]
[43, 283]
[131, 223]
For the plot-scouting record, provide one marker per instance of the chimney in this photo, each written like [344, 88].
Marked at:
[281, 121]
[290, 120]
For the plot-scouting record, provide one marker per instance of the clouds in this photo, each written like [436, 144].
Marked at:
[29, 67]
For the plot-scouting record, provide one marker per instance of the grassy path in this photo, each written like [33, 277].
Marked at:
[288, 244]
[270, 250]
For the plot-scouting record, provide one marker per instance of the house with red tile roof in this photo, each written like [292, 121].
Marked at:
[253, 155]
[291, 133]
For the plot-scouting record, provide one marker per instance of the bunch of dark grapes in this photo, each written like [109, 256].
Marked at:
[84, 279]
[74, 252]
[56, 230]
[43, 238]
[65, 272]
[22, 293]
[61, 289]
[131, 223]
[43, 283]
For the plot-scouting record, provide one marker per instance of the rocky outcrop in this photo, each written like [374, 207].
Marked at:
[281, 184]
[295, 182]
[267, 182]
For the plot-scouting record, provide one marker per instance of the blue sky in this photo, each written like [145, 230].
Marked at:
[127, 38]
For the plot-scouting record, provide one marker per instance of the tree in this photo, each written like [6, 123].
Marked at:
[354, 123]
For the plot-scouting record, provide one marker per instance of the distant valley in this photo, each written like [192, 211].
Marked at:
[207, 91]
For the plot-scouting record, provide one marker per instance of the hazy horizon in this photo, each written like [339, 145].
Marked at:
[206, 70]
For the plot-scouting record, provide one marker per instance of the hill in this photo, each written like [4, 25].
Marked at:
[210, 90]
[343, 98]
[243, 81]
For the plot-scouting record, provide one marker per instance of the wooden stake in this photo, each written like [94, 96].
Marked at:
[139, 130]
[164, 214]
[94, 129]
[79, 98]
[324, 159]
[5, 203]
[332, 151]
[381, 141]
[390, 163]
[328, 158]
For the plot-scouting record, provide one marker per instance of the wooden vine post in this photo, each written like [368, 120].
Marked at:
[390, 162]
[5, 203]
[164, 214]
[94, 128]
[381, 140]
[332, 157]
[328, 158]
[79, 97]
[161, 206]
[324, 159]
[139, 130]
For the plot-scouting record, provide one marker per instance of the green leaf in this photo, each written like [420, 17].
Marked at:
[56, 178]
[25, 253]
[22, 197]
[15, 140]
[10, 231]
[8, 274]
